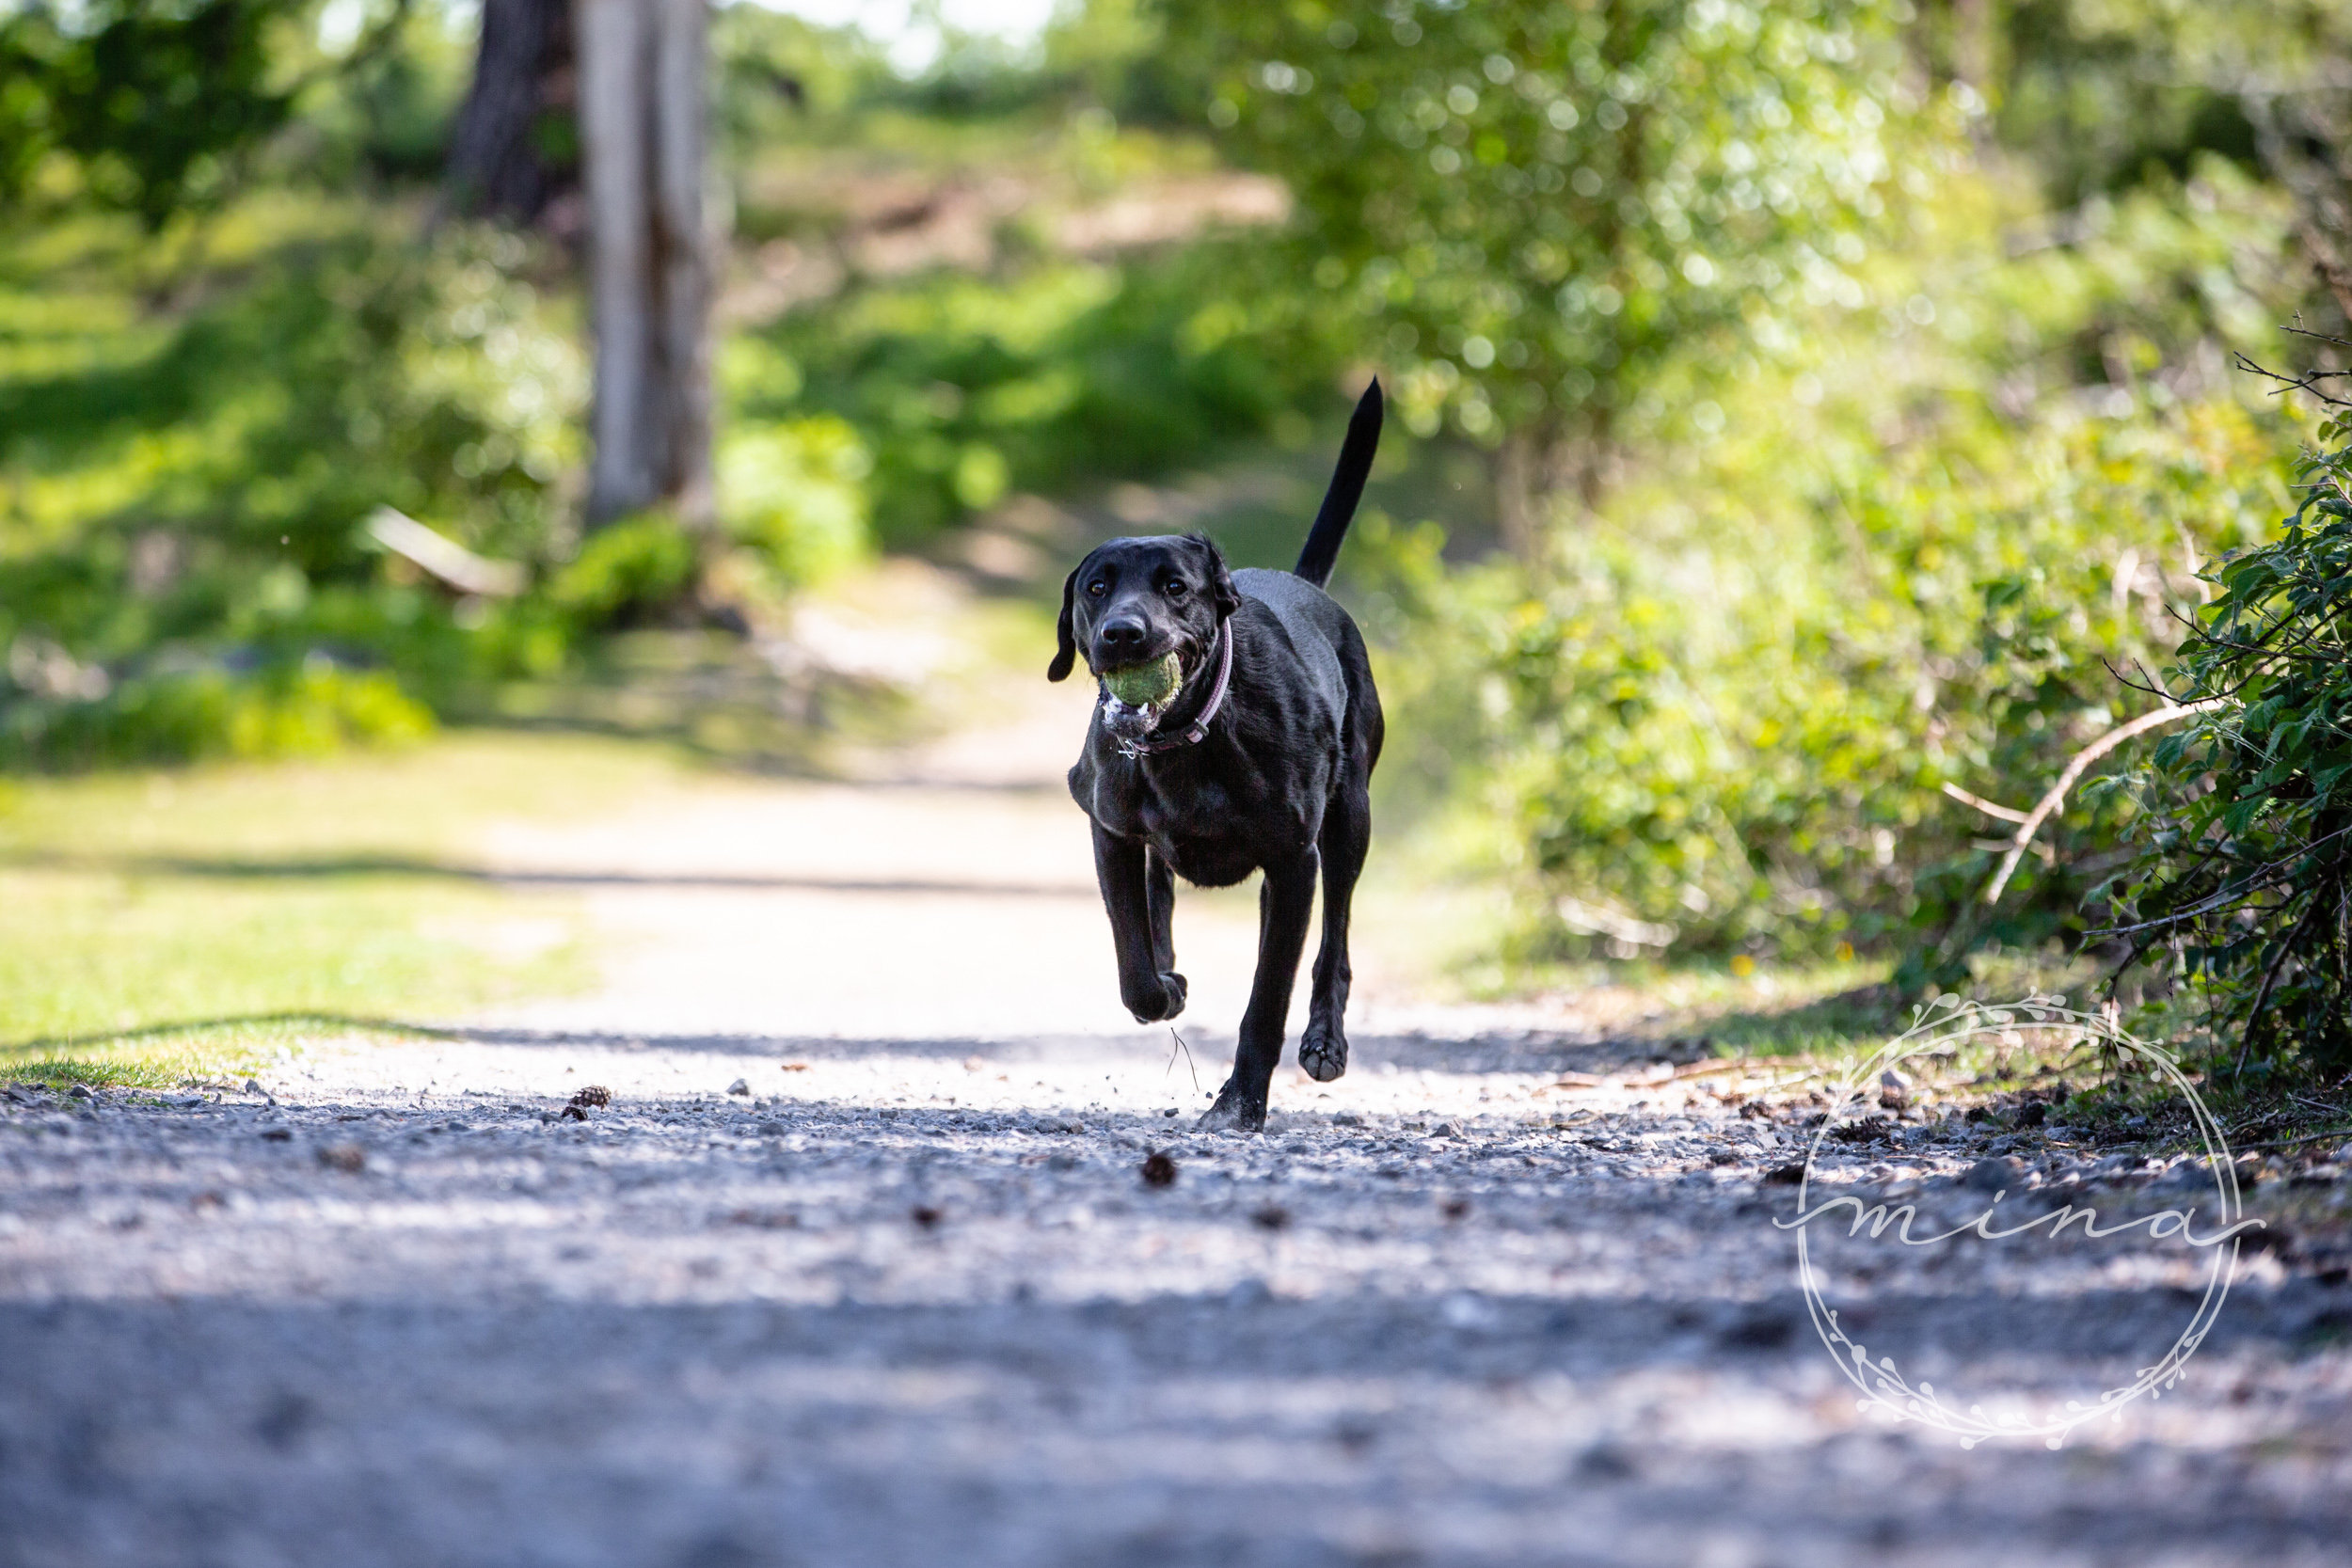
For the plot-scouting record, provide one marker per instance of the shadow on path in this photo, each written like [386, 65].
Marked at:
[298, 868]
[1533, 1052]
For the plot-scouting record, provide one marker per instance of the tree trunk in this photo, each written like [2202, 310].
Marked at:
[1518, 495]
[1543, 472]
[1975, 40]
[516, 152]
[649, 254]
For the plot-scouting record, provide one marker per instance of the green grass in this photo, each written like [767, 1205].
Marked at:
[160, 925]
[1822, 1008]
[1828, 1009]
[177, 1056]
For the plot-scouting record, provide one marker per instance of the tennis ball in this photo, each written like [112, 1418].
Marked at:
[1145, 684]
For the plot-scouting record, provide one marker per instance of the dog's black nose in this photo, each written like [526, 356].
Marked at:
[1121, 635]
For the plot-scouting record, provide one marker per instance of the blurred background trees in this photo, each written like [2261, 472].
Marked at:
[1820, 414]
[514, 152]
[1537, 209]
[642, 107]
[152, 104]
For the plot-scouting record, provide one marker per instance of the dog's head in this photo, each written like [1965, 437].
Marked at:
[1134, 600]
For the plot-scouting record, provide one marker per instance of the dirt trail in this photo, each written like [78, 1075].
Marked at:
[953, 898]
[909, 1298]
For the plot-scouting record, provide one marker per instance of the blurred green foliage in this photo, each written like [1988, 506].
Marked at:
[1049, 374]
[2102, 91]
[197, 424]
[182, 501]
[775, 75]
[169, 108]
[149, 98]
[1536, 207]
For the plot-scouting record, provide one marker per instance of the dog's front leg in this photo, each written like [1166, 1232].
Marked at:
[1286, 906]
[1150, 993]
[1160, 896]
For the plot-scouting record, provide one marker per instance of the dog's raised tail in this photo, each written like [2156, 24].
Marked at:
[1347, 487]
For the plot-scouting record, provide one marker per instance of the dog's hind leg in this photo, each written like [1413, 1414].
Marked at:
[1346, 838]
[1286, 905]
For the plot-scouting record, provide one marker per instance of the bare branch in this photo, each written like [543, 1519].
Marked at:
[2083, 759]
[2308, 382]
[444, 557]
[2006, 814]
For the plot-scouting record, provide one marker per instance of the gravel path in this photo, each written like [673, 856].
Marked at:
[912, 1298]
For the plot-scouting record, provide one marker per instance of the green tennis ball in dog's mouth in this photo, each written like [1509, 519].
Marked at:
[1146, 685]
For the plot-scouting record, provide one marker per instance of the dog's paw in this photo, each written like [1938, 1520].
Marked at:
[1158, 1000]
[1322, 1053]
[1234, 1112]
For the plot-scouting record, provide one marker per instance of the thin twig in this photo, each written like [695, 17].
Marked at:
[2308, 382]
[2263, 876]
[2007, 813]
[1727, 1064]
[1653, 1077]
[2083, 759]
[1187, 1051]
[2262, 997]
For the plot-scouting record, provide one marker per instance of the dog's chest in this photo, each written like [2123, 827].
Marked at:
[1210, 861]
[1202, 836]
[1205, 810]
[1213, 825]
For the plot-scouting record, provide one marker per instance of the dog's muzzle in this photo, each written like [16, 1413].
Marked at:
[1128, 722]
[1132, 726]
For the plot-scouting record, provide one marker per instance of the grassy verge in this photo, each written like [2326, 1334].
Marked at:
[161, 925]
[206, 1053]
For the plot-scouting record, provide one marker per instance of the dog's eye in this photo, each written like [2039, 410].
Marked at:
[1176, 588]
[1098, 588]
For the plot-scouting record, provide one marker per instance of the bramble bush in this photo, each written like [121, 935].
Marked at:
[1745, 742]
[2242, 882]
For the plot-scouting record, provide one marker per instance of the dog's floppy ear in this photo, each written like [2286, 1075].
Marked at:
[1220, 577]
[1066, 649]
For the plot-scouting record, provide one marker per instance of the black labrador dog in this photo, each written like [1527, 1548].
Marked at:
[1252, 752]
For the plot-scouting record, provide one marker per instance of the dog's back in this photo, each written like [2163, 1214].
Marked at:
[1317, 628]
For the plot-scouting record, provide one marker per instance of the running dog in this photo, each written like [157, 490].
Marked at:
[1237, 731]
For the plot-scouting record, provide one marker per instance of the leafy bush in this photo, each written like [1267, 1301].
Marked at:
[634, 565]
[1874, 569]
[794, 491]
[312, 710]
[1536, 209]
[1741, 741]
[2244, 865]
[183, 501]
[149, 99]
